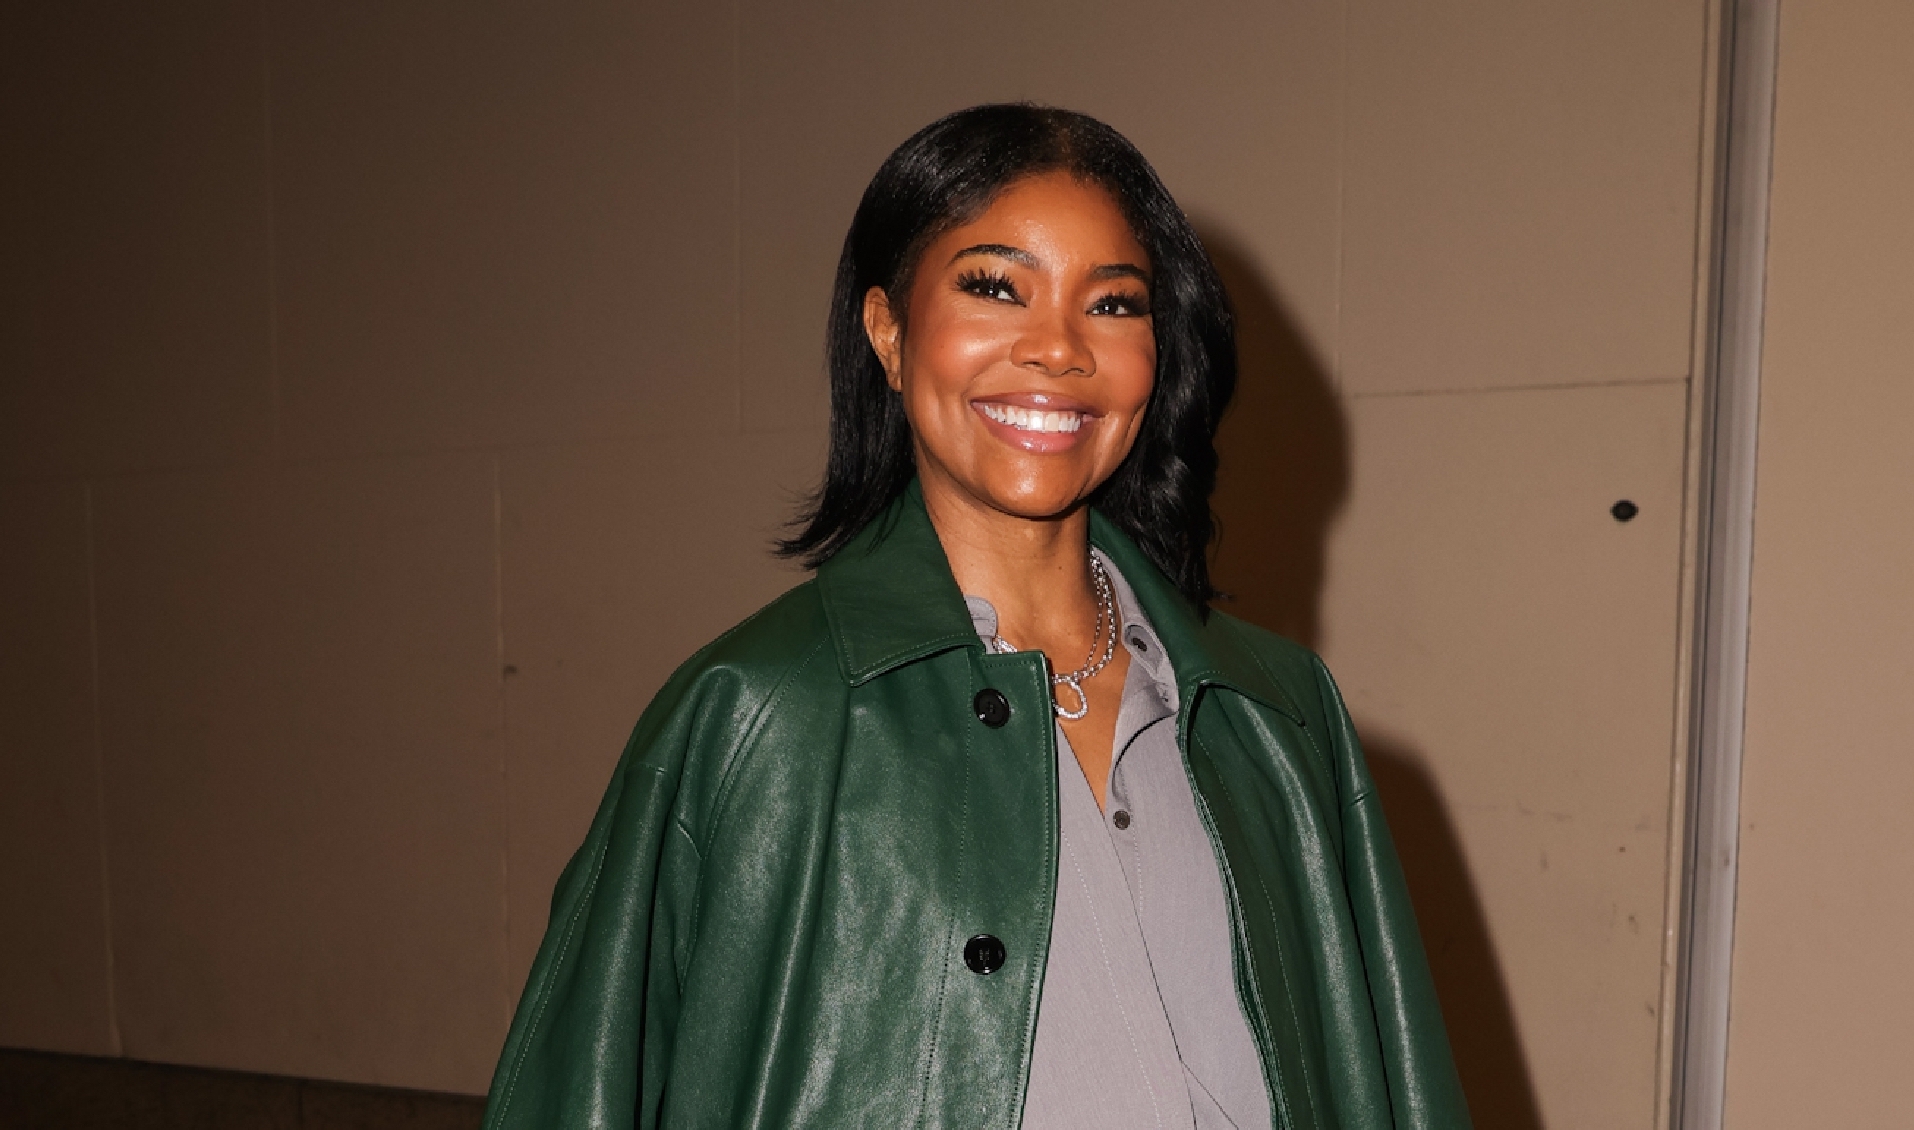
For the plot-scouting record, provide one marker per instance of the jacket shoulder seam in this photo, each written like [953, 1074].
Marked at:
[697, 899]
[1326, 683]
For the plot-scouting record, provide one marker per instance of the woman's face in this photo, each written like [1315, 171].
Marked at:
[1029, 352]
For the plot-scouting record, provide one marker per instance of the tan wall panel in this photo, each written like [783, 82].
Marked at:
[300, 709]
[1823, 997]
[1521, 192]
[1508, 650]
[620, 561]
[597, 243]
[54, 968]
[501, 223]
[133, 304]
[1234, 103]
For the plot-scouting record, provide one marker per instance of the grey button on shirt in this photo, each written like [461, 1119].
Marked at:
[1139, 1023]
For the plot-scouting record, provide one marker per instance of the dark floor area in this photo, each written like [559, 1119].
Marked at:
[42, 1091]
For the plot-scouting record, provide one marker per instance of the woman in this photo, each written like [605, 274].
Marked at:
[994, 823]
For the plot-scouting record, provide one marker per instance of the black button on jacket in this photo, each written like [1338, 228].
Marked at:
[992, 708]
[775, 917]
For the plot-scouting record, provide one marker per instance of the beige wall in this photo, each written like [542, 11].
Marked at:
[1823, 1002]
[395, 393]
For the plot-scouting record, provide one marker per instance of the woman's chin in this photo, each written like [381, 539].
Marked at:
[1035, 488]
[1041, 505]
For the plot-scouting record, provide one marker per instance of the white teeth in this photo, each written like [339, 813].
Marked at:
[1032, 420]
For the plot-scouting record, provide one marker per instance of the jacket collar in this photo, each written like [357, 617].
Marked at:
[889, 599]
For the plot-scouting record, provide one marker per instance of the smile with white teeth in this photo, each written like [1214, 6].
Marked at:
[1031, 419]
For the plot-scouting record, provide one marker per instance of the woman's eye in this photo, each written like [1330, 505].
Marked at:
[1122, 305]
[994, 287]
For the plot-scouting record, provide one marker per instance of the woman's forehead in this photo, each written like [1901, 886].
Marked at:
[1044, 220]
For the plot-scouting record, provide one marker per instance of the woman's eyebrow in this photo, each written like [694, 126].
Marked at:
[1121, 271]
[1002, 251]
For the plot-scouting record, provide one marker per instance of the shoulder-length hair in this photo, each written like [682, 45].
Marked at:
[947, 174]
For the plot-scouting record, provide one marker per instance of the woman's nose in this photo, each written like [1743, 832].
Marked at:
[1052, 345]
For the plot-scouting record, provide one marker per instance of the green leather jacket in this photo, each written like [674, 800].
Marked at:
[765, 925]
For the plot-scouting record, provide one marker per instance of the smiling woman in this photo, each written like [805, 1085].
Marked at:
[1024, 378]
[1037, 339]
[869, 862]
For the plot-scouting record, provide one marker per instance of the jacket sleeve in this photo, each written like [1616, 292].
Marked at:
[1425, 1092]
[592, 1038]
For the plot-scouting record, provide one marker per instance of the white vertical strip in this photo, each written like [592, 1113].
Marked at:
[1731, 403]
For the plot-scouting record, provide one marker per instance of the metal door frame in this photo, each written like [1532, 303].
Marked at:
[1729, 404]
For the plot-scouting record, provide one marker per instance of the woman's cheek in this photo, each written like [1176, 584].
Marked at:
[1138, 378]
[966, 348]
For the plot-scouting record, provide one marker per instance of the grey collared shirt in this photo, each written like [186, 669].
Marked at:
[1139, 1023]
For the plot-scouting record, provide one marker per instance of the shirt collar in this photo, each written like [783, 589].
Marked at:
[1133, 628]
[1145, 646]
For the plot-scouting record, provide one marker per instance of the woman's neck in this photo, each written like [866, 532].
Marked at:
[1034, 572]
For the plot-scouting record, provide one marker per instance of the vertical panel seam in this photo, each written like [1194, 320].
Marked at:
[274, 395]
[1342, 189]
[503, 741]
[737, 215]
[99, 775]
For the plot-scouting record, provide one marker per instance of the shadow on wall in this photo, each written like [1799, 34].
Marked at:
[1285, 477]
[1475, 999]
[1285, 461]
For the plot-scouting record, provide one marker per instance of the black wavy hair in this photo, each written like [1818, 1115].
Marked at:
[947, 174]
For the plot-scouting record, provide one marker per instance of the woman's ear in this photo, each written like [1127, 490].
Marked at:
[886, 334]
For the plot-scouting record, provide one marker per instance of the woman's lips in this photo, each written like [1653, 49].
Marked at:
[1031, 419]
[1040, 425]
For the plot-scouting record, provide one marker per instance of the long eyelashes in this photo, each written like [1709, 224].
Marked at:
[988, 284]
[1122, 304]
[997, 287]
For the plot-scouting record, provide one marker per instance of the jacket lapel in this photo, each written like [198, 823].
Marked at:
[890, 599]
[1203, 653]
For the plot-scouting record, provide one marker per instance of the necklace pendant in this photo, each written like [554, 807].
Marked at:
[1083, 700]
[1105, 632]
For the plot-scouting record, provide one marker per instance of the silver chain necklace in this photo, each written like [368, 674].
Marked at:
[1106, 634]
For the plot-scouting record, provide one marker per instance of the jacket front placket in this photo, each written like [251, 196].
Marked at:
[1007, 862]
